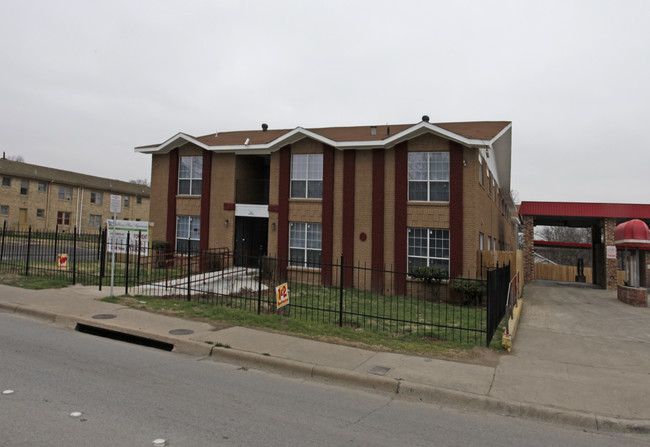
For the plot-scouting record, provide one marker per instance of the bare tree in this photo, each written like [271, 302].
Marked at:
[18, 158]
[140, 181]
[565, 255]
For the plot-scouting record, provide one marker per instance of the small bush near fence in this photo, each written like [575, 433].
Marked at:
[424, 302]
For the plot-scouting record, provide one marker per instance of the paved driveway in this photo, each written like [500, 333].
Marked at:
[578, 347]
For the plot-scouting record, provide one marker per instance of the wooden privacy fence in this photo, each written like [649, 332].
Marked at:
[568, 273]
[488, 259]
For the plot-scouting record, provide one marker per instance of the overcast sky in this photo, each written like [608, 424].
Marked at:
[84, 82]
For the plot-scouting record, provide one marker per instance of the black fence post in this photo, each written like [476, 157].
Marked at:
[189, 271]
[102, 258]
[341, 293]
[126, 273]
[74, 256]
[137, 271]
[259, 281]
[2, 247]
[56, 242]
[29, 244]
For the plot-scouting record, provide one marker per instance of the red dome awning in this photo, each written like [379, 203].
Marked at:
[632, 234]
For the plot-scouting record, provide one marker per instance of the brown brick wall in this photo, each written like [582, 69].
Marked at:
[480, 212]
[158, 209]
[223, 191]
[632, 295]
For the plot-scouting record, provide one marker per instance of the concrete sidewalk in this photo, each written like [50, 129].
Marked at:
[580, 357]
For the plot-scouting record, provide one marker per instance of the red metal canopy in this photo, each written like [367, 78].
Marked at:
[632, 234]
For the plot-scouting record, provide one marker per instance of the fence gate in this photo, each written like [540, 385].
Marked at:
[497, 297]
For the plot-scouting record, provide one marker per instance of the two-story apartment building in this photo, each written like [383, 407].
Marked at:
[395, 196]
[46, 198]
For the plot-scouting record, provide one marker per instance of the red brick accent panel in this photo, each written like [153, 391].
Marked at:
[228, 206]
[401, 196]
[171, 197]
[349, 159]
[273, 208]
[632, 295]
[284, 186]
[327, 219]
[377, 250]
[455, 209]
[205, 200]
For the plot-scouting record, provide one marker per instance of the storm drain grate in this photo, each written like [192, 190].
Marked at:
[379, 370]
[104, 316]
[181, 332]
[121, 336]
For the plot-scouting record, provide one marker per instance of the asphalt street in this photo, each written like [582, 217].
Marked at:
[132, 396]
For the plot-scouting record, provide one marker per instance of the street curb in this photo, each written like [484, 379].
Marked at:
[413, 391]
[35, 313]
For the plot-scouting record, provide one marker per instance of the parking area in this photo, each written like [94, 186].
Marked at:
[579, 343]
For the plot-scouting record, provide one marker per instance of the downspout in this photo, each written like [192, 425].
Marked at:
[47, 204]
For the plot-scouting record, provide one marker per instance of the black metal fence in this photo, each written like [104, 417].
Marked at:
[462, 310]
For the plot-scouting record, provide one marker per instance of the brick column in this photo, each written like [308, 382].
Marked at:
[529, 249]
[610, 225]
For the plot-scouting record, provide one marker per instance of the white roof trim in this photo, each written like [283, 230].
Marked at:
[299, 133]
[171, 144]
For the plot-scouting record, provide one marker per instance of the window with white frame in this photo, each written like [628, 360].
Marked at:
[307, 176]
[6, 181]
[24, 187]
[188, 231]
[40, 212]
[190, 173]
[481, 241]
[126, 201]
[95, 221]
[42, 186]
[428, 247]
[428, 176]
[305, 244]
[96, 197]
[4, 210]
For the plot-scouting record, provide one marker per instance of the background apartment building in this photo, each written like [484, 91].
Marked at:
[43, 198]
[396, 196]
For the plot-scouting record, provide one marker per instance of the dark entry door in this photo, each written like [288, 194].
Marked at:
[251, 239]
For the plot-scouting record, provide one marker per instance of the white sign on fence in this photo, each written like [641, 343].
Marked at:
[138, 236]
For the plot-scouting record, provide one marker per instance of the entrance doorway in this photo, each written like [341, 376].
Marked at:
[22, 218]
[251, 239]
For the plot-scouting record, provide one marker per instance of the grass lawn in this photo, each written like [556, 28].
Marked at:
[378, 340]
[369, 336]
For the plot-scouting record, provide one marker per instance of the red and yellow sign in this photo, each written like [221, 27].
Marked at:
[62, 261]
[282, 295]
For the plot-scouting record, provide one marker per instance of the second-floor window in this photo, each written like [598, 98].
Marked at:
[65, 193]
[190, 172]
[307, 176]
[24, 187]
[96, 197]
[428, 176]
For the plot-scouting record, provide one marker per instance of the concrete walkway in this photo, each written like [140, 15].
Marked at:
[580, 357]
